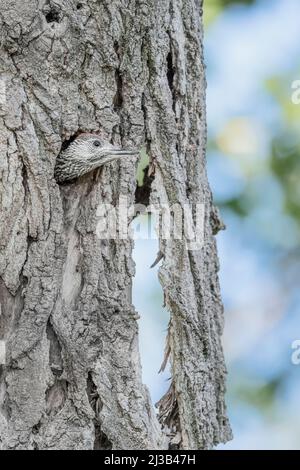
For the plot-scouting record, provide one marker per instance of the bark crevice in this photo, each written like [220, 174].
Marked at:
[101, 441]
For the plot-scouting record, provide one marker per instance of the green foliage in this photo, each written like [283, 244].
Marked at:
[285, 165]
[239, 205]
[285, 148]
[226, 3]
[212, 8]
[260, 396]
[143, 163]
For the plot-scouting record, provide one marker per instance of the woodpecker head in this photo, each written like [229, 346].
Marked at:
[86, 153]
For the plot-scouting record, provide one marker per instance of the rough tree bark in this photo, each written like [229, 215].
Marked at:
[132, 70]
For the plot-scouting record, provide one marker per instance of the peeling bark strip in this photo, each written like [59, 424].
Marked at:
[133, 71]
[194, 407]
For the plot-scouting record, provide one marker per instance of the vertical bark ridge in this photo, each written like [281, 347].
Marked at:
[194, 407]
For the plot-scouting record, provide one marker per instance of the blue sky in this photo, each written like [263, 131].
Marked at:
[244, 47]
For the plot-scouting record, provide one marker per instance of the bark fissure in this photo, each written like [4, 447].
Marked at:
[101, 441]
[143, 192]
[55, 351]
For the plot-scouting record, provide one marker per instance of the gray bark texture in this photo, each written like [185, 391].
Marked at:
[133, 71]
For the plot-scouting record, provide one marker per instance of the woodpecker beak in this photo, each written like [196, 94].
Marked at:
[109, 154]
[115, 152]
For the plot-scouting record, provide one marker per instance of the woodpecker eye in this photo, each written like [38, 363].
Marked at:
[96, 143]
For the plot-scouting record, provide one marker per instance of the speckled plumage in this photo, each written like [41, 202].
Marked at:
[86, 153]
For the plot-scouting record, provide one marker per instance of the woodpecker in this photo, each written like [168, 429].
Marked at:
[86, 153]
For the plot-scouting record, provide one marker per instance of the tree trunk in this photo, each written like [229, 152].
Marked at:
[133, 71]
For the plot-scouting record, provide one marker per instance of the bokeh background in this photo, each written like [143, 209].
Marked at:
[252, 51]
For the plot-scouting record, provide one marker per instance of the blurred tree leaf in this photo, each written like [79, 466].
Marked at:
[259, 396]
[238, 205]
[143, 163]
[212, 8]
[281, 90]
[285, 164]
